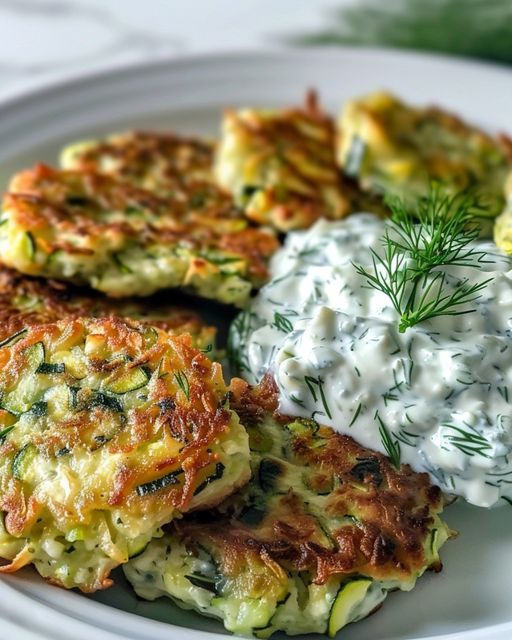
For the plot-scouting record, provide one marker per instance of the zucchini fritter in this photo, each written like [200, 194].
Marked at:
[89, 228]
[318, 537]
[108, 430]
[391, 147]
[503, 225]
[27, 302]
[157, 162]
[280, 166]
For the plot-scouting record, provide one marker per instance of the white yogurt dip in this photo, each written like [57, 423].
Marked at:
[437, 396]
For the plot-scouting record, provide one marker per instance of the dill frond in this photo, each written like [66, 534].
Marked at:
[418, 245]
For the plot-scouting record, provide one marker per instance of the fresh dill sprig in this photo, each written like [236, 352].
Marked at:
[416, 24]
[417, 245]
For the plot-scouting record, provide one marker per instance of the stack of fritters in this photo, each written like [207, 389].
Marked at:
[113, 422]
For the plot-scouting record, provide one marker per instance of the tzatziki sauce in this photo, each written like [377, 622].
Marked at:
[437, 396]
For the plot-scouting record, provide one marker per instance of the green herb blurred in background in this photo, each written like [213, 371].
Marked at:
[475, 28]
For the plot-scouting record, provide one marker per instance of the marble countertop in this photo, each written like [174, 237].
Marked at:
[47, 40]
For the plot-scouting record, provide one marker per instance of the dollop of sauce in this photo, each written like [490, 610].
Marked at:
[438, 396]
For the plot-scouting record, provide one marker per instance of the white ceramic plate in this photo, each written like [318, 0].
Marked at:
[470, 599]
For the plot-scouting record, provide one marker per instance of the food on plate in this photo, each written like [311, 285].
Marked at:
[89, 228]
[158, 162]
[280, 165]
[28, 302]
[503, 225]
[392, 147]
[375, 359]
[108, 429]
[322, 532]
[398, 335]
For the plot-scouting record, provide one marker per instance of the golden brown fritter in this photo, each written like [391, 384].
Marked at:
[392, 147]
[28, 302]
[280, 166]
[394, 505]
[89, 228]
[158, 162]
[320, 512]
[108, 430]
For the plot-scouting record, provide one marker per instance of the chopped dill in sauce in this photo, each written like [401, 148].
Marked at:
[435, 396]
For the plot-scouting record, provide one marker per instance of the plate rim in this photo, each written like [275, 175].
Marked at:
[499, 631]
[19, 96]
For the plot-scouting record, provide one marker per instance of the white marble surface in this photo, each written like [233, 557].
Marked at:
[46, 40]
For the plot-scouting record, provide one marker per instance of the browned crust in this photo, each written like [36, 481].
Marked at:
[282, 138]
[394, 509]
[54, 301]
[50, 203]
[187, 424]
[135, 154]
[100, 584]
[398, 124]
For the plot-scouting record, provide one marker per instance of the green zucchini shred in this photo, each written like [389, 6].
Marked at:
[78, 201]
[35, 355]
[260, 440]
[4, 432]
[123, 268]
[73, 400]
[350, 595]
[47, 367]
[22, 460]
[101, 399]
[31, 245]
[13, 338]
[132, 210]
[203, 582]
[302, 426]
[217, 475]
[268, 629]
[268, 473]
[39, 409]
[136, 549]
[150, 336]
[131, 380]
[155, 485]
[252, 515]
[207, 349]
